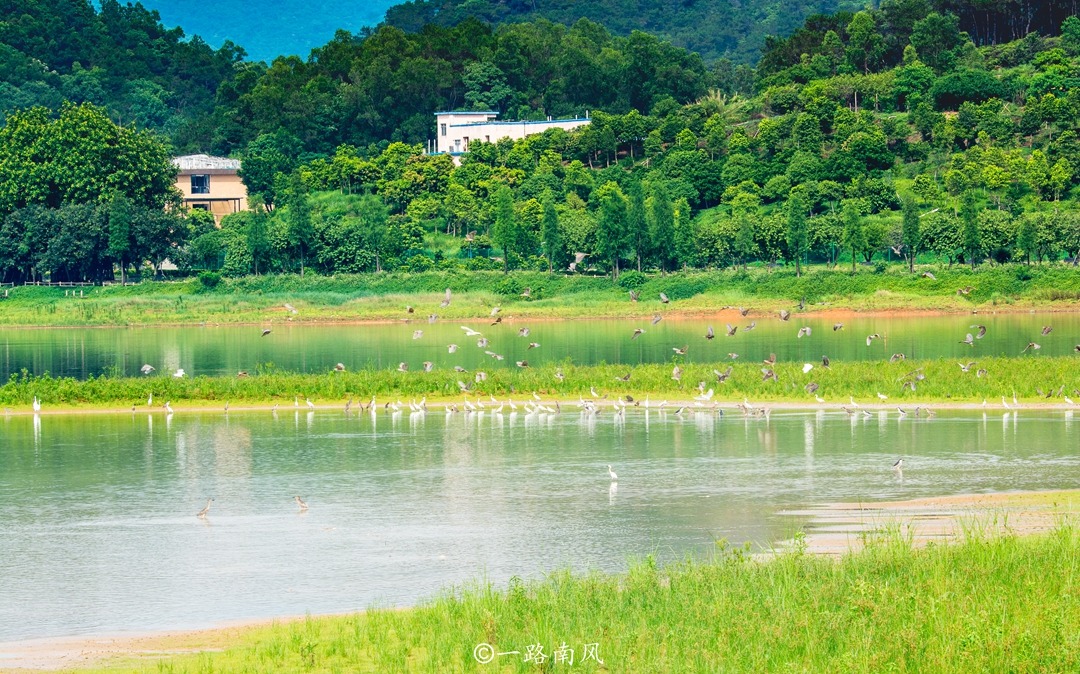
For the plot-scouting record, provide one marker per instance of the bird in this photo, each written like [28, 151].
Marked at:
[150, 401]
[656, 318]
[966, 290]
[634, 296]
[882, 396]
[966, 368]
[743, 311]
[771, 360]
[147, 369]
[676, 373]
[494, 310]
[179, 373]
[1047, 329]
[241, 373]
[897, 357]
[870, 338]
[899, 465]
[403, 367]
[532, 345]
[290, 308]
[753, 324]
[709, 334]
[226, 407]
[837, 326]
[733, 356]
[1032, 346]
[664, 298]
[981, 331]
[523, 332]
[203, 513]
[705, 397]
[482, 342]
[469, 332]
[452, 348]
[340, 367]
[767, 374]
[168, 407]
[611, 474]
[559, 374]
[625, 377]
[37, 404]
[721, 377]
[682, 351]
[498, 319]
[428, 366]
[902, 411]
[1077, 348]
[825, 362]
[527, 293]
[638, 332]
[266, 332]
[804, 332]
[300, 502]
[522, 363]
[812, 387]
[969, 340]
[409, 309]
[981, 372]
[731, 330]
[310, 404]
[785, 314]
[929, 275]
[446, 300]
[807, 367]
[417, 334]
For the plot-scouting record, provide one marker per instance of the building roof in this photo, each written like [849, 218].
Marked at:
[583, 120]
[200, 162]
[467, 112]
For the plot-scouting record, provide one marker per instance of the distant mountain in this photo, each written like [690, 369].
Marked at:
[267, 30]
[733, 29]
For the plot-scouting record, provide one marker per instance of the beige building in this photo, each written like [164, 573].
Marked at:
[211, 184]
[454, 130]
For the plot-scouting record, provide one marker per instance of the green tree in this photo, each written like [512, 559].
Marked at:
[969, 217]
[686, 249]
[798, 239]
[745, 211]
[301, 233]
[854, 231]
[373, 215]
[120, 232]
[264, 159]
[549, 232]
[637, 226]
[504, 232]
[611, 232]
[662, 227]
[1026, 236]
[910, 234]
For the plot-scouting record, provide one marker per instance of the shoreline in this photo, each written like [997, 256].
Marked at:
[723, 313]
[934, 519]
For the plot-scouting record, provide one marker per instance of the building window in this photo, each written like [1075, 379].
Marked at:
[200, 184]
[443, 129]
[487, 139]
[466, 143]
[457, 145]
[201, 207]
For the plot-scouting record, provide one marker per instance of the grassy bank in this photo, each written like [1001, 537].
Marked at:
[984, 605]
[943, 383]
[384, 296]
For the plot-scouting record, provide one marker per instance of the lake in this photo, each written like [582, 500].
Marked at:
[85, 352]
[100, 535]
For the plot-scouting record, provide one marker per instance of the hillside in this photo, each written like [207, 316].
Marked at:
[713, 28]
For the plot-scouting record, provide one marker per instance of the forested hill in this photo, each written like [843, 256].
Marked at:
[716, 29]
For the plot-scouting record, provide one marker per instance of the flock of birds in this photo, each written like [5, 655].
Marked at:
[202, 514]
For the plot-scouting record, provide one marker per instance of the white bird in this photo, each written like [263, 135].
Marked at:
[300, 502]
[168, 407]
[1068, 400]
[452, 348]
[147, 368]
[853, 403]
[882, 396]
[202, 513]
[150, 401]
[310, 404]
[469, 332]
[1004, 404]
[899, 465]
[179, 373]
[705, 397]
[417, 334]
[37, 404]
[807, 367]
[611, 474]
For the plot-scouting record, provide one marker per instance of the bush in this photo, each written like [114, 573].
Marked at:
[631, 280]
[209, 280]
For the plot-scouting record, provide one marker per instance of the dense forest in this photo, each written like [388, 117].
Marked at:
[928, 131]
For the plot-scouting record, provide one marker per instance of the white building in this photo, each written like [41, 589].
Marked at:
[457, 128]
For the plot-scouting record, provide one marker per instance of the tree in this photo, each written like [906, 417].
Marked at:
[373, 216]
[686, 249]
[969, 216]
[301, 233]
[798, 240]
[485, 87]
[120, 232]
[612, 208]
[1026, 236]
[662, 227]
[637, 226]
[549, 232]
[910, 234]
[745, 212]
[264, 159]
[854, 231]
[258, 243]
[504, 231]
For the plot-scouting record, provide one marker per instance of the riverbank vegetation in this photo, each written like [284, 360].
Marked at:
[1034, 380]
[989, 603]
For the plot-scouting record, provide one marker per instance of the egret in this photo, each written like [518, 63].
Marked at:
[310, 404]
[611, 474]
[807, 367]
[202, 513]
[179, 373]
[168, 407]
[150, 401]
[300, 502]
[452, 348]
[147, 369]
[804, 332]
[469, 332]
[37, 404]
[882, 396]
[870, 338]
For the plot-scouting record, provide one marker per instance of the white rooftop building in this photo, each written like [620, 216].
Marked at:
[457, 128]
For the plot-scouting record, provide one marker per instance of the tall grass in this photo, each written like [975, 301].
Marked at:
[1001, 604]
[384, 296]
[943, 383]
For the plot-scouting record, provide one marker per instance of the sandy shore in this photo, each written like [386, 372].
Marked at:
[834, 529]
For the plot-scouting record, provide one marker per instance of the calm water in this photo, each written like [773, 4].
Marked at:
[98, 532]
[225, 350]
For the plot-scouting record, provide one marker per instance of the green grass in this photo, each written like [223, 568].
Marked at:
[987, 604]
[943, 383]
[384, 296]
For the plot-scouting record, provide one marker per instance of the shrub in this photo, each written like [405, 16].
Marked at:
[631, 280]
[209, 279]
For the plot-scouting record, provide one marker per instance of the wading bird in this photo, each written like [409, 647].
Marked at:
[446, 299]
[37, 404]
[168, 407]
[527, 293]
[300, 503]
[203, 513]
[310, 404]
[611, 474]
[899, 465]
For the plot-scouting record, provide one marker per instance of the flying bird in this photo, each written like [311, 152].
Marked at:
[721, 377]
[417, 334]
[982, 331]
[403, 367]
[743, 311]
[428, 366]
[147, 369]
[771, 360]
[682, 351]
[432, 318]
[1032, 346]
[870, 338]
[837, 326]
[812, 387]
[676, 373]
[266, 332]
[897, 357]
[527, 293]
[709, 334]
[1047, 329]
[656, 318]
[733, 356]
[807, 367]
[929, 275]
[634, 296]
[966, 368]
[753, 324]
[498, 319]
[340, 367]
[452, 348]
[532, 345]
[469, 332]
[969, 340]
[966, 290]
[804, 332]
[784, 314]
[664, 298]
[625, 377]
[482, 342]
[179, 373]
[523, 363]
[767, 374]
[446, 299]
[638, 332]
[409, 309]
[495, 310]
[523, 332]
[731, 330]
